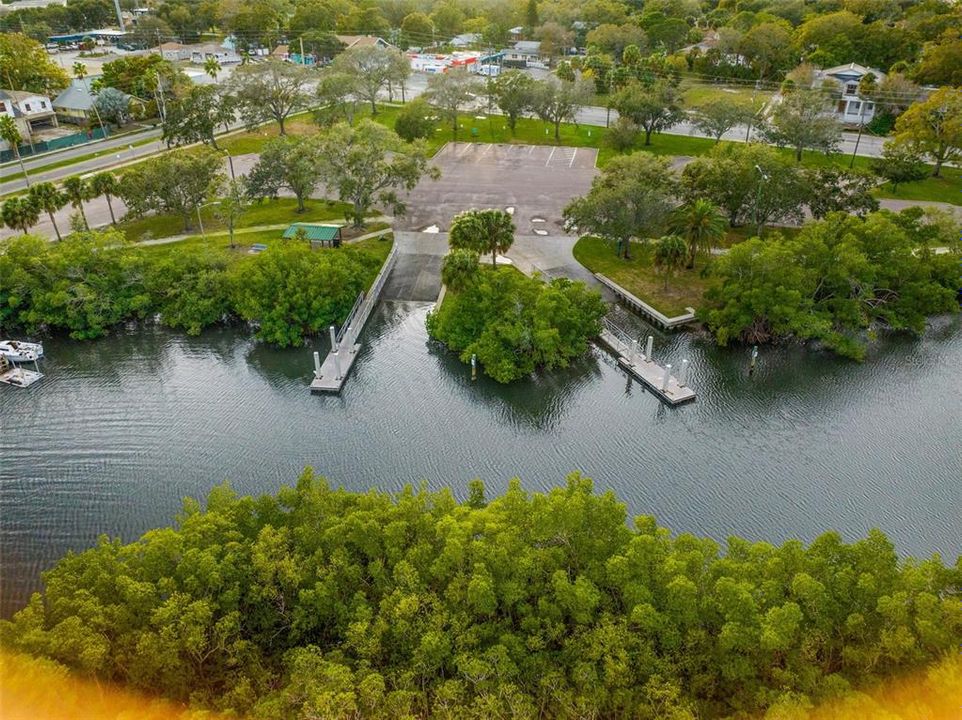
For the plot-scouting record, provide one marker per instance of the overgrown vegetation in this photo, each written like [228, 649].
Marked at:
[836, 281]
[516, 324]
[91, 281]
[324, 603]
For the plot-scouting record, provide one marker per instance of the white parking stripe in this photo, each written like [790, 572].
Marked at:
[572, 162]
[484, 152]
[550, 156]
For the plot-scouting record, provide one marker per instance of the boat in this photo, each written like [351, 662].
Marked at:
[17, 351]
[11, 374]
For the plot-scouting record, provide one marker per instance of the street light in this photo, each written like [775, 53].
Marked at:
[758, 200]
[200, 220]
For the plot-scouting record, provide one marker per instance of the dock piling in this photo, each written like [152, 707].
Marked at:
[664, 382]
[634, 352]
[683, 374]
[474, 366]
[317, 365]
[648, 348]
[751, 367]
[333, 340]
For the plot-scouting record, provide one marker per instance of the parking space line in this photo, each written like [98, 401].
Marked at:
[484, 152]
[550, 156]
[573, 155]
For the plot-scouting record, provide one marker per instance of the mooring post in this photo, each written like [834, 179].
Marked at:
[333, 340]
[683, 374]
[664, 382]
[648, 347]
[337, 364]
[317, 365]
[751, 367]
[474, 366]
[634, 352]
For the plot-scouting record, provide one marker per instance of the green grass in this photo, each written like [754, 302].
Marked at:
[947, 188]
[639, 276]
[695, 94]
[267, 212]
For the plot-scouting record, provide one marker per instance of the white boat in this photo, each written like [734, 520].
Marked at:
[17, 351]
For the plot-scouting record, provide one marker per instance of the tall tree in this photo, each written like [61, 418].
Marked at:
[801, 121]
[832, 189]
[232, 206]
[716, 117]
[513, 93]
[20, 213]
[450, 92]
[701, 224]
[177, 183]
[653, 107]
[369, 164]
[556, 102]
[106, 184]
[482, 231]
[669, 255]
[371, 67]
[934, 127]
[25, 65]
[49, 199]
[631, 198]
[10, 133]
[197, 115]
[271, 90]
[78, 191]
[292, 164]
[336, 97]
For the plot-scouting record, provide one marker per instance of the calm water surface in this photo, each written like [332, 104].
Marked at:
[121, 429]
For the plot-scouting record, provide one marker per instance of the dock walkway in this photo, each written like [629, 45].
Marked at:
[330, 375]
[673, 392]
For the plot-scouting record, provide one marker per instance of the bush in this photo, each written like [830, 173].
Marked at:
[622, 135]
[415, 120]
[516, 324]
[459, 269]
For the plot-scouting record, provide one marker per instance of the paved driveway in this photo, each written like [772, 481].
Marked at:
[534, 182]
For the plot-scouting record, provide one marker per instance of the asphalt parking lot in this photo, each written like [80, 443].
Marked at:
[534, 182]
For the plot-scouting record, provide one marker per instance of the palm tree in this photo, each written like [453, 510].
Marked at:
[701, 224]
[10, 133]
[77, 191]
[48, 198]
[670, 252]
[20, 213]
[483, 231]
[80, 72]
[211, 67]
[105, 184]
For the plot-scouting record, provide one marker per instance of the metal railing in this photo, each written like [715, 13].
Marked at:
[346, 325]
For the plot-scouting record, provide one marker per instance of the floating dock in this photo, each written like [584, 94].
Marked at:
[669, 388]
[13, 374]
[330, 375]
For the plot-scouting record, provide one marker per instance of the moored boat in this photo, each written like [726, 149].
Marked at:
[17, 351]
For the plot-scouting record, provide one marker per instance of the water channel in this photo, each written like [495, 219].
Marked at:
[122, 428]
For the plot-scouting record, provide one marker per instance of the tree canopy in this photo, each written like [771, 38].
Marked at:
[319, 602]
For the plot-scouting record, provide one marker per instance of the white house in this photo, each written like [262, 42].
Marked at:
[173, 51]
[850, 109]
[29, 111]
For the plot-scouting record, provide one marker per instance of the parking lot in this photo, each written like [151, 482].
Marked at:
[534, 182]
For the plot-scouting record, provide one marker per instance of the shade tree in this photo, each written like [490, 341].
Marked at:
[483, 232]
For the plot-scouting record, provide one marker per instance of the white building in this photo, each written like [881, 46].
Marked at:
[29, 111]
[850, 109]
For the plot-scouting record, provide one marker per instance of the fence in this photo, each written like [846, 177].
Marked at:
[54, 144]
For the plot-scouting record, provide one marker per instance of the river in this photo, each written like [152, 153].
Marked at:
[121, 429]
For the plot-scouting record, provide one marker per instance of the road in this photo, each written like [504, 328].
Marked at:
[596, 116]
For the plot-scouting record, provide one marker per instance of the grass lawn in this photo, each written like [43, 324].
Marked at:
[698, 93]
[947, 188]
[639, 276]
[268, 212]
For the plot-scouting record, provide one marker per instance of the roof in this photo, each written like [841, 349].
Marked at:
[527, 46]
[281, 50]
[352, 41]
[21, 95]
[77, 96]
[853, 70]
[325, 233]
[171, 46]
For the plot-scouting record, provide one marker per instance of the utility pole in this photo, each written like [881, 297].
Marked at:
[120, 16]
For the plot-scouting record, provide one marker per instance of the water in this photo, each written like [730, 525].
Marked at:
[122, 429]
